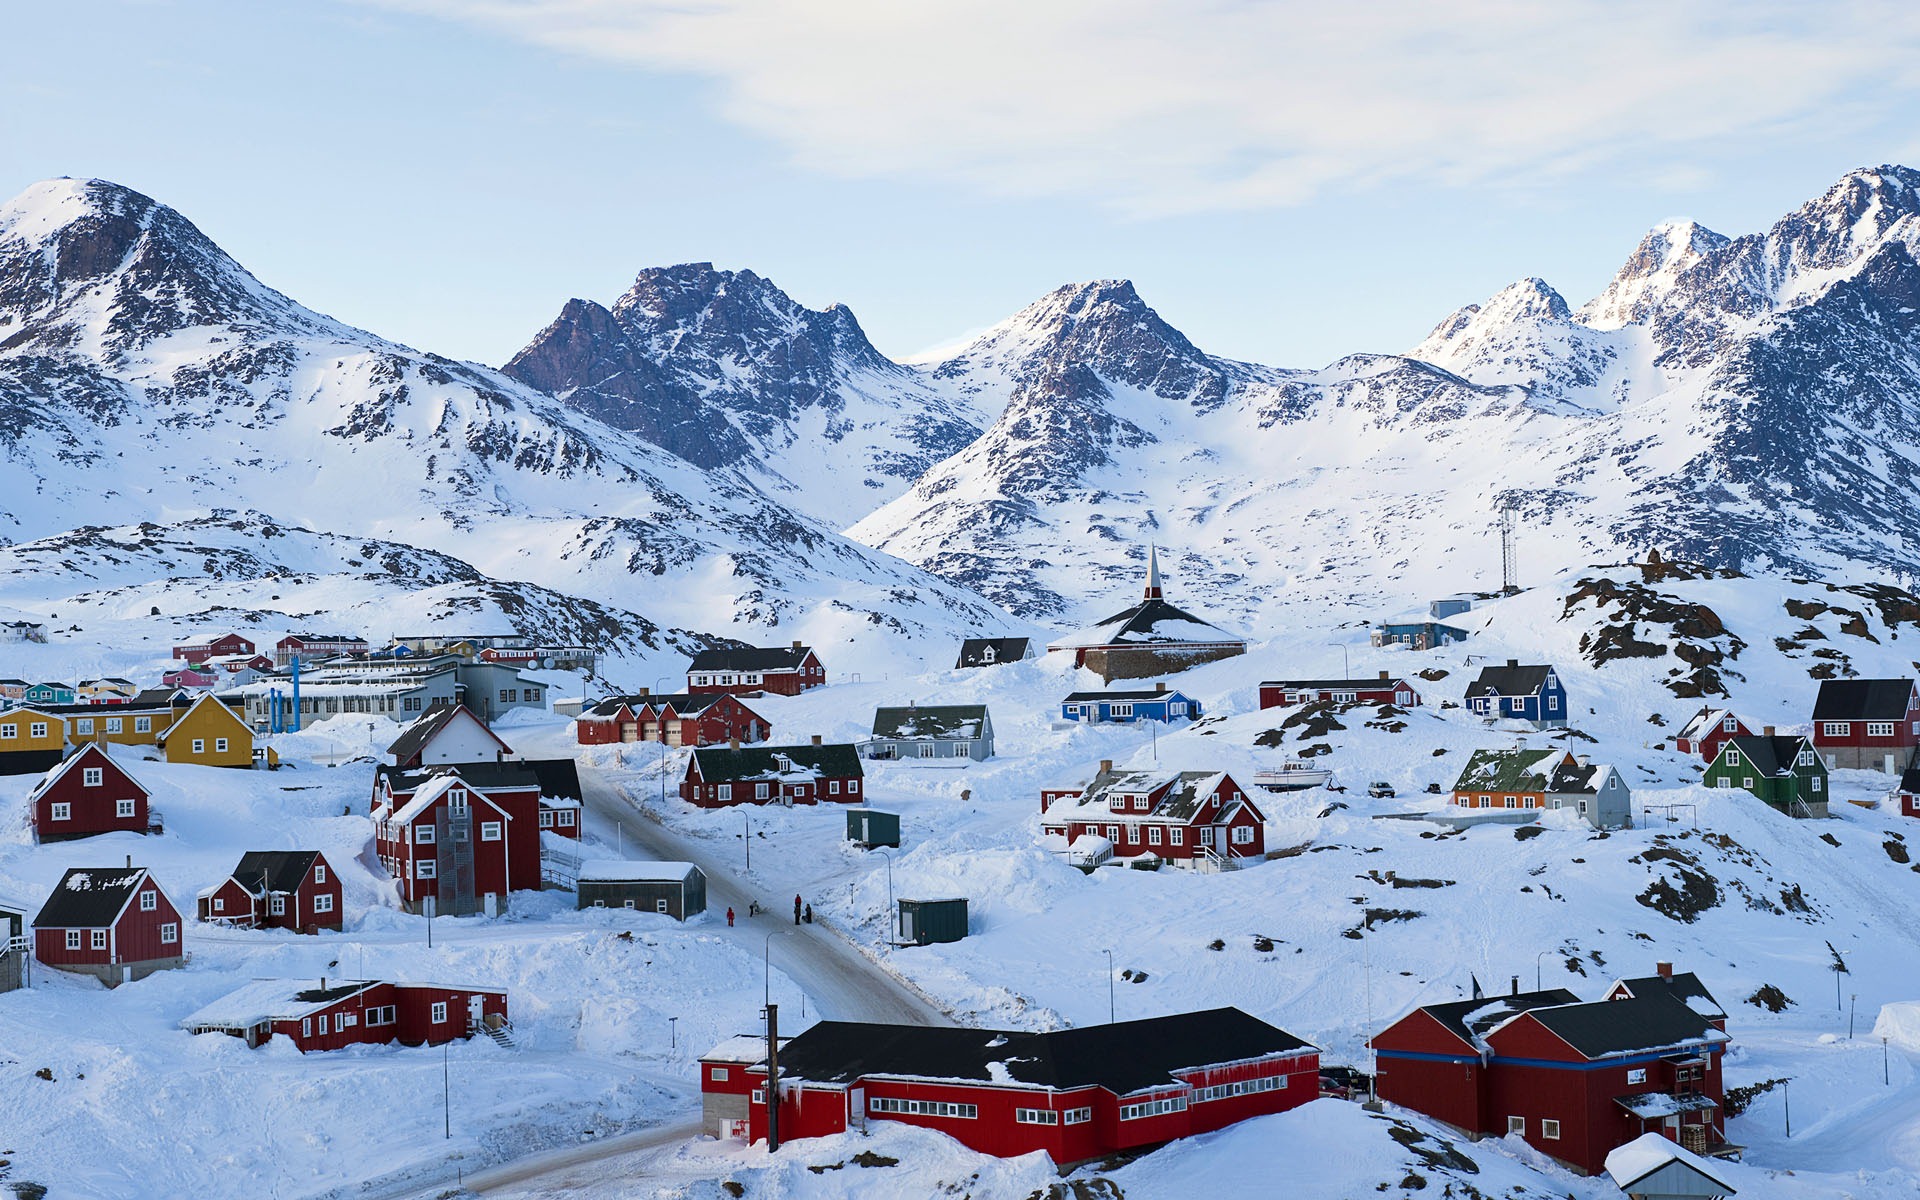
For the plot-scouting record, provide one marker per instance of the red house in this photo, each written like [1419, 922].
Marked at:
[552, 783]
[1574, 1080]
[353, 1013]
[453, 849]
[718, 777]
[1907, 794]
[1387, 689]
[1684, 987]
[1184, 817]
[782, 670]
[316, 647]
[276, 889]
[89, 793]
[113, 923]
[710, 719]
[199, 652]
[1867, 724]
[1707, 730]
[1074, 1093]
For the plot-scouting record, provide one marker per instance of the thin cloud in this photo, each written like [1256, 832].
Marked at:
[1154, 108]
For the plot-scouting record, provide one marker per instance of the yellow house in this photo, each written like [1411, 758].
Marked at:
[31, 741]
[211, 735]
[121, 724]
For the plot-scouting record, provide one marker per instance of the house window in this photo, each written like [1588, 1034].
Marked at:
[725, 791]
[1035, 1116]
[140, 725]
[219, 745]
[323, 904]
[1834, 728]
[1510, 802]
[1816, 783]
[1733, 757]
[1637, 1075]
[1553, 704]
[546, 819]
[424, 869]
[169, 934]
[423, 835]
[219, 904]
[63, 811]
[9, 731]
[506, 695]
[759, 791]
[760, 1097]
[341, 1021]
[1550, 1130]
[1805, 758]
[440, 1012]
[659, 906]
[1880, 728]
[719, 1075]
[1133, 834]
[73, 939]
[38, 729]
[199, 746]
[149, 901]
[1730, 725]
[1079, 1116]
[1177, 709]
[1120, 710]
[1723, 781]
[1176, 836]
[923, 1108]
[853, 786]
[566, 818]
[306, 1027]
[83, 725]
[1113, 833]
[1242, 835]
[1153, 835]
[319, 872]
[93, 776]
[1517, 1125]
[489, 831]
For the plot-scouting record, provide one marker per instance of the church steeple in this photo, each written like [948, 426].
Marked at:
[1153, 572]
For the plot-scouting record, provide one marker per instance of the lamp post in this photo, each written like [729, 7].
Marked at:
[446, 1089]
[1853, 1000]
[1536, 968]
[673, 1033]
[1346, 666]
[1786, 1104]
[890, 912]
[1109, 955]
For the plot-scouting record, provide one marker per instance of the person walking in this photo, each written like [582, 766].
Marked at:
[809, 914]
[729, 918]
[796, 910]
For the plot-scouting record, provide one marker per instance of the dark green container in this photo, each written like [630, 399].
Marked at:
[924, 922]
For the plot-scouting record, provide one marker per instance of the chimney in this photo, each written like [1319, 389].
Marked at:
[733, 742]
[1513, 662]
[1580, 760]
[1516, 985]
[129, 862]
[646, 691]
[1664, 970]
[1767, 730]
[323, 983]
[816, 739]
[1106, 768]
[1159, 689]
[1384, 675]
[799, 646]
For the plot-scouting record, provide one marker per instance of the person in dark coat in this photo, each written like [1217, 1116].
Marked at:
[809, 914]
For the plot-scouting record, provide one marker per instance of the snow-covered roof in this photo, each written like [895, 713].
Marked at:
[1149, 623]
[618, 870]
[961, 722]
[1649, 1152]
[270, 1000]
[740, 1048]
[433, 790]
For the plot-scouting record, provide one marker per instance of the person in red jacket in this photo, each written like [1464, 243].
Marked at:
[729, 918]
[796, 910]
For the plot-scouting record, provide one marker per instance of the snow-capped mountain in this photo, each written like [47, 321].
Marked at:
[1746, 402]
[725, 370]
[146, 376]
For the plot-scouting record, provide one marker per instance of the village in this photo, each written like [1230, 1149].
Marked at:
[852, 896]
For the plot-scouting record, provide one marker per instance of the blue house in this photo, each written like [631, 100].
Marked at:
[49, 693]
[1420, 635]
[1160, 704]
[1516, 693]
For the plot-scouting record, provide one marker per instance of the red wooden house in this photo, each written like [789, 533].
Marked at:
[276, 889]
[553, 783]
[454, 849]
[312, 648]
[710, 719]
[1867, 724]
[113, 923]
[89, 793]
[1184, 817]
[1907, 793]
[1074, 1093]
[1574, 1080]
[718, 777]
[1707, 730]
[1387, 689]
[1684, 987]
[353, 1013]
[782, 670]
[226, 644]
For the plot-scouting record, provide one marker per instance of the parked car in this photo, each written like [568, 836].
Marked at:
[1434, 788]
[1379, 789]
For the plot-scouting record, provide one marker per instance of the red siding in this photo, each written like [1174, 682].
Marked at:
[133, 938]
[93, 809]
[416, 1001]
[236, 905]
[1273, 696]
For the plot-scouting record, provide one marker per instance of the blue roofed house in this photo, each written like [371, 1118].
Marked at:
[1160, 704]
[1520, 693]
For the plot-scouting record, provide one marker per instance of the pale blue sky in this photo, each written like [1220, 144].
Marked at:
[1285, 183]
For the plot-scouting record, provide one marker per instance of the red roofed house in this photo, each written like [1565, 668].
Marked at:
[1387, 689]
[782, 670]
[1575, 1080]
[113, 923]
[1185, 817]
[353, 1012]
[199, 652]
[1707, 730]
[453, 849]
[276, 889]
[89, 793]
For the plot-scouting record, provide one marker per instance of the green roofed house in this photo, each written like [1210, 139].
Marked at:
[1786, 772]
[931, 733]
[1545, 780]
[722, 776]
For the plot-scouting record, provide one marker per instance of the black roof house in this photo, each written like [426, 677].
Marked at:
[1514, 679]
[1653, 1020]
[557, 778]
[90, 897]
[721, 764]
[1684, 987]
[1124, 1057]
[936, 721]
[1469, 1020]
[1863, 699]
[991, 652]
[751, 658]
[279, 870]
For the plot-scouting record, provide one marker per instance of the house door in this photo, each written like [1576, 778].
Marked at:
[1890, 768]
[857, 1108]
[493, 904]
[476, 1011]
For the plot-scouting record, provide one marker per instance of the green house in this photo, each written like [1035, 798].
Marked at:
[49, 693]
[1783, 771]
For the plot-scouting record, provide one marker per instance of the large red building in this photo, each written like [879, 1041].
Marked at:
[1181, 816]
[1387, 689]
[314, 648]
[782, 670]
[1867, 724]
[113, 923]
[1074, 1093]
[226, 644]
[355, 1012]
[711, 719]
[276, 889]
[89, 793]
[718, 777]
[1574, 1079]
[554, 784]
[454, 849]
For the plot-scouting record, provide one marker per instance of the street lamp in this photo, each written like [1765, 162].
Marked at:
[1536, 968]
[1345, 665]
[766, 966]
[1109, 955]
[673, 1033]
[749, 841]
[446, 1088]
[889, 858]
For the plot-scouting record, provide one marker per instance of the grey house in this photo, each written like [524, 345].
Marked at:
[13, 949]
[677, 889]
[919, 733]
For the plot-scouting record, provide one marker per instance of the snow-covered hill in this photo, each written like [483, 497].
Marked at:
[147, 377]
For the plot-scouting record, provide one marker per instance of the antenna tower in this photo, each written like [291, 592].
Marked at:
[1507, 585]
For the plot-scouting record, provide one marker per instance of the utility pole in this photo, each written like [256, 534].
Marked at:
[446, 1087]
[1109, 955]
[773, 1078]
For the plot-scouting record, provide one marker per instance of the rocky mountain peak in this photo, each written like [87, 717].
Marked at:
[1668, 250]
[1465, 329]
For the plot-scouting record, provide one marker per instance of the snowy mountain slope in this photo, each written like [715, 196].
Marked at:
[144, 375]
[1748, 403]
[725, 370]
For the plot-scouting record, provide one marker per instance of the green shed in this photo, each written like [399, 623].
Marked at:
[869, 827]
[923, 922]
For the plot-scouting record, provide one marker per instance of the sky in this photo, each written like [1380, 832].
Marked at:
[1286, 183]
